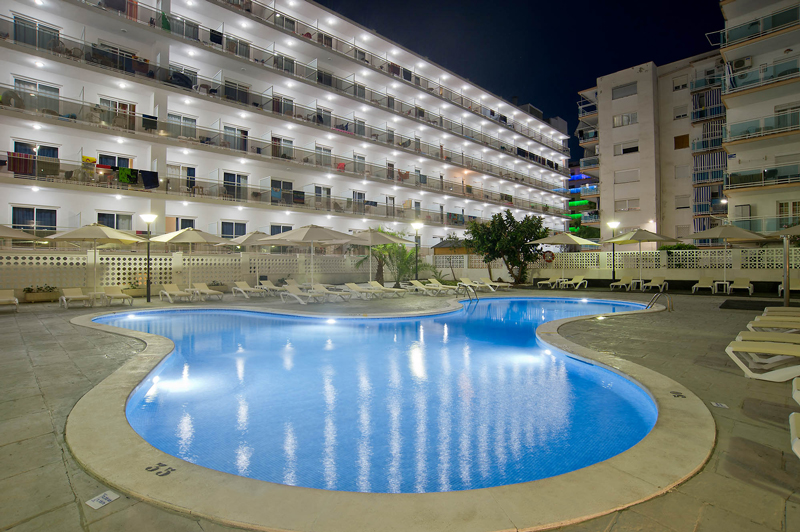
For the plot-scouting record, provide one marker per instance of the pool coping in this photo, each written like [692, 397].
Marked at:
[104, 444]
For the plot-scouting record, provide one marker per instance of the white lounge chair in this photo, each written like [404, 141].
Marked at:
[364, 293]
[703, 282]
[794, 286]
[782, 311]
[794, 432]
[657, 282]
[742, 353]
[331, 294]
[292, 282]
[551, 282]
[293, 292]
[205, 291]
[172, 291]
[767, 324]
[433, 283]
[113, 293]
[497, 284]
[245, 289]
[796, 390]
[428, 290]
[624, 282]
[271, 288]
[68, 295]
[466, 281]
[7, 298]
[575, 283]
[399, 292]
[741, 283]
[761, 336]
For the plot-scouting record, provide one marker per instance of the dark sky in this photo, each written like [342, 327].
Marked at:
[542, 51]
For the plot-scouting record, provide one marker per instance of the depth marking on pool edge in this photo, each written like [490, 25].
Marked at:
[160, 472]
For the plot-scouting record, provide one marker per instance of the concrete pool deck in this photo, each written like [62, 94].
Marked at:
[750, 483]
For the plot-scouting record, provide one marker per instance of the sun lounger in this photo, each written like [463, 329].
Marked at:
[364, 293]
[768, 324]
[760, 336]
[779, 317]
[68, 295]
[657, 282]
[399, 292]
[624, 282]
[205, 291]
[292, 282]
[115, 293]
[742, 353]
[794, 286]
[172, 291]
[704, 282]
[794, 432]
[245, 289]
[466, 281]
[331, 294]
[496, 284]
[551, 282]
[796, 390]
[428, 290]
[271, 288]
[293, 292]
[782, 311]
[575, 283]
[741, 283]
[433, 283]
[7, 298]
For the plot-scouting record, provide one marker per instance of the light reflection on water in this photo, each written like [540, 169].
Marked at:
[459, 401]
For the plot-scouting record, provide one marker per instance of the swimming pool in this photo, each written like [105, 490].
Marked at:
[457, 401]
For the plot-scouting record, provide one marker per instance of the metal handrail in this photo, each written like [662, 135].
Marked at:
[467, 290]
[655, 298]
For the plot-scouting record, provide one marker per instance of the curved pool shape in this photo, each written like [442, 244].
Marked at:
[456, 401]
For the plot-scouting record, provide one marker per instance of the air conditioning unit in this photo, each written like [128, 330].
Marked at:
[739, 64]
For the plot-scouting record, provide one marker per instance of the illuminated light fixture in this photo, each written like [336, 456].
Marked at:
[118, 196]
[244, 24]
[723, 201]
[187, 101]
[120, 141]
[240, 208]
[185, 203]
[290, 84]
[190, 3]
[37, 126]
[34, 189]
[242, 161]
[651, 221]
[122, 85]
[331, 21]
[329, 217]
[186, 152]
[39, 64]
[38, 2]
[330, 321]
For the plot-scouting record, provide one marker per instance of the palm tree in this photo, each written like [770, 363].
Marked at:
[379, 255]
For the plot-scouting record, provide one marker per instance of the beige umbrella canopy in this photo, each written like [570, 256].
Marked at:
[253, 238]
[564, 239]
[190, 236]
[639, 236]
[6, 233]
[97, 234]
[726, 232]
[374, 237]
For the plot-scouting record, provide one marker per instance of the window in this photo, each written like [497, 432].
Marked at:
[178, 173]
[185, 27]
[681, 142]
[323, 117]
[123, 222]
[681, 231]
[626, 205]
[235, 185]
[190, 73]
[239, 92]
[626, 119]
[282, 148]
[323, 78]
[683, 201]
[181, 126]
[184, 223]
[36, 95]
[680, 111]
[35, 149]
[33, 218]
[626, 176]
[237, 46]
[680, 82]
[235, 138]
[117, 113]
[358, 163]
[682, 172]
[361, 128]
[323, 156]
[622, 91]
[233, 229]
[284, 63]
[623, 148]
[281, 192]
[278, 229]
[35, 33]
[114, 160]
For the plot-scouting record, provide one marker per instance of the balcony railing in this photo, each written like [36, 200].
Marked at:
[590, 162]
[588, 135]
[766, 224]
[759, 127]
[176, 25]
[590, 190]
[709, 208]
[67, 111]
[708, 175]
[707, 144]
[586, 107]
[707, 113]
[233, 94]
[590, 218]
[765, 25]
[760, 177]
[759, 77]
[704, 82]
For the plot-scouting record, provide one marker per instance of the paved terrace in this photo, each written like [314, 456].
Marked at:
[751, 483]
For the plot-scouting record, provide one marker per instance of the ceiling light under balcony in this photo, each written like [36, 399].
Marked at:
[243, 161]
[37, 126]
[331, 21]
[122, 85]
[288, 213]
[118, 196]
[244, 24]
[39, 64]
[240, 208]
[187, 101]
[120, 141]
[34, 189]
[185, 203]
[38, 2]
[329, 217]
[190, 3]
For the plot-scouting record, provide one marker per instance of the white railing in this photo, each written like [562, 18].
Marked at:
[766, 125]
[760, 76]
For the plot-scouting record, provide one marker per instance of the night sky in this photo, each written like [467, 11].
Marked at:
[544, 52]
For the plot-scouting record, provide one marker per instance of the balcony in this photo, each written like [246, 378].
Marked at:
[704, 82]
[766, 224]
[590, 162]
[779, 123]
[707, 144]
[707, 113]
[714, 207]
[586, 108]
[708, 175]
[588, 136]
[762, 177]
[582, 205]
[63, 112]
[590, 190]
[774, 22]
[758, 77]
[590, 218]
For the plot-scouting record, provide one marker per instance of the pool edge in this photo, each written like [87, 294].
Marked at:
[104, 444]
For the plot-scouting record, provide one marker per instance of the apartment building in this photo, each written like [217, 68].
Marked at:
[760, 45]
[636, 127]
[232, 116]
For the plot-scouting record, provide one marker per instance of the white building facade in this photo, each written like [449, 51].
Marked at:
[233, 116]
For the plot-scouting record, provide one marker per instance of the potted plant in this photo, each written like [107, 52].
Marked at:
[41, 293]
[217, 285]
[136, 289]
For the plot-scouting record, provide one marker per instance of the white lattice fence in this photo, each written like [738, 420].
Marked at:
[575, 261]
[205, 268]
[332, 264]
[18, 270]
[768, 258]
[122, 270]
[271, 265]
[700, 259]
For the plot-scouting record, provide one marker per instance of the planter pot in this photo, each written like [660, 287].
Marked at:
[222, 288]
[42, 296]
[138, 292]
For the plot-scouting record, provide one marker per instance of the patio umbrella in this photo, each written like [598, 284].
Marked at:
[374, 237]
[564, 239]
[785, 234]
[6, 233]
[639, 236]
[726, 232]
[250, 239]
[189, 236]
[311, 235]
[97, 234]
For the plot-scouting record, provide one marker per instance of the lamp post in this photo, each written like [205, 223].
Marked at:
[417, 226]
[613, 226]
[148, 219]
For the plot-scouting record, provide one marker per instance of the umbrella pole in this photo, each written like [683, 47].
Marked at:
[190, 264]
[312, 264]
[369, 249]
[641, 284]
[95, 264]
[787, 288]
[725, 261]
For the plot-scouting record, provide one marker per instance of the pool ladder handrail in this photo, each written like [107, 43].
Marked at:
[468, 289]
[656, 296]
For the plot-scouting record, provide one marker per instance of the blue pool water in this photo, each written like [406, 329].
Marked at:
[455, 401]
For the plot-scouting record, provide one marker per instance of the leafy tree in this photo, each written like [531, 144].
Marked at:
[588, 232]
[673, 247]
[504, 237]
[454, 242]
